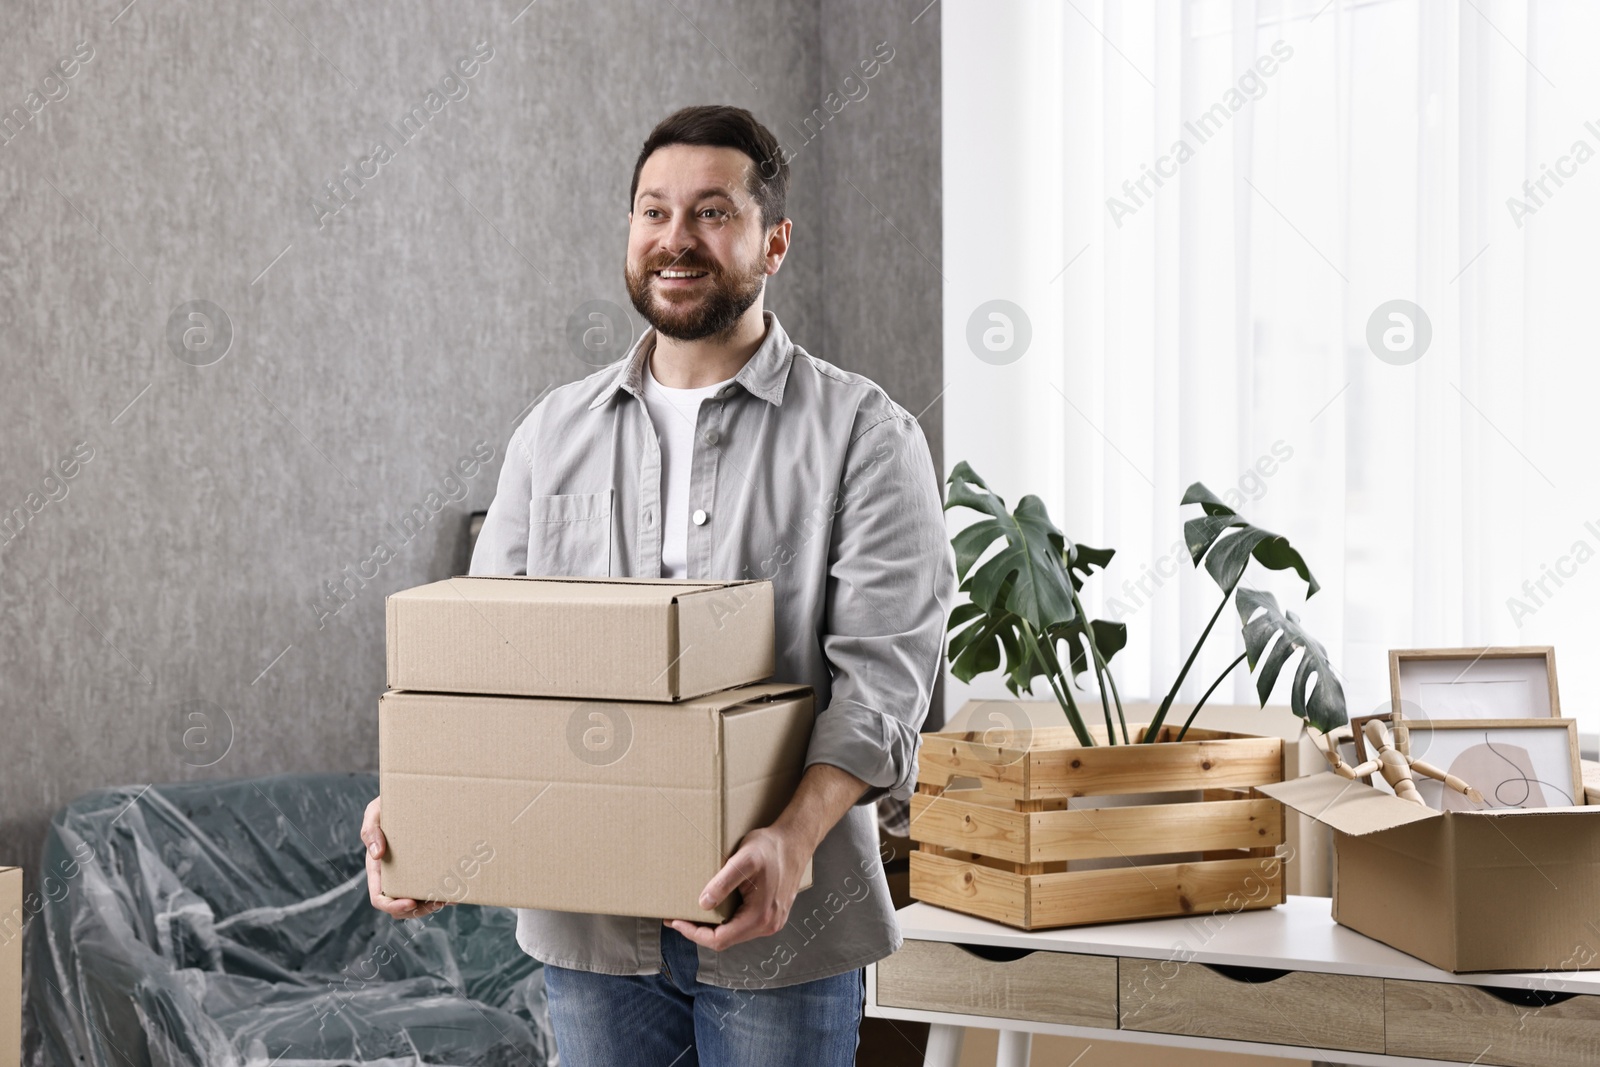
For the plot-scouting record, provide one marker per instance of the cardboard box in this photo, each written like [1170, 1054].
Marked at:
[600, 638]
[11, 966]
[591, 806]
[1505, 889]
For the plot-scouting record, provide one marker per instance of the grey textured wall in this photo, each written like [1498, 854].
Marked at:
[184, 507]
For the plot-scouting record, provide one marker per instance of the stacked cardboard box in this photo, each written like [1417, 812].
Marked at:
[11, 920]
[581, 744]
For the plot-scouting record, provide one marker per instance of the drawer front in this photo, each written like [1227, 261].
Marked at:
[1507, 1027]
[1049, 987]
[1302, 1008]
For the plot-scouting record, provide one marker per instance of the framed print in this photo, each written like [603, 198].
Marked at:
[1514, 763]
[1474, 683]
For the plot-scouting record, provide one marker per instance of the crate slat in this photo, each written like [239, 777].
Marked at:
[1054, 766]
[1096, 833]
[1093, 772]
[1076, 898]
[971, 888]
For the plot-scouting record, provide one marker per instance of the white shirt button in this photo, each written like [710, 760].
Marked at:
[712, 437]
[699, 516]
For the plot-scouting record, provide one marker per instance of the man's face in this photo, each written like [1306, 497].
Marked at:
[697, 254]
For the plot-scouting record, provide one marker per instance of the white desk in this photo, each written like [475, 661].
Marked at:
[1299, 937]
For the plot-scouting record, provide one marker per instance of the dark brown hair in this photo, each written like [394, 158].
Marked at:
[720, 126]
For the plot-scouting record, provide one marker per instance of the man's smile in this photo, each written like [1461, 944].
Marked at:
[679, 279]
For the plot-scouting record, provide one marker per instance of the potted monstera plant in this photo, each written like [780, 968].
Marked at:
[1015, 847]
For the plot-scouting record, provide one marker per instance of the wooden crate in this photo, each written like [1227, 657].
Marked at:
[997, 837]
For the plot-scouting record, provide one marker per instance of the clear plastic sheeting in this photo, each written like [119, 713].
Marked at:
[226, 924]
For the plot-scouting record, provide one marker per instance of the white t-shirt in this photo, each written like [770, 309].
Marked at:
[674, 412]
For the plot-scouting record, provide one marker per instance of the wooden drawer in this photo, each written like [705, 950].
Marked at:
[1050, 987]
[1311, 1010]
[1507, 1027]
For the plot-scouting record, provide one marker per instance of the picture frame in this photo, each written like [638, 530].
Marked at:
[1514, 763]
[1510, 682]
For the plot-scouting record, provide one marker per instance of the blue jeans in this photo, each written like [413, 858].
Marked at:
[669, 1019]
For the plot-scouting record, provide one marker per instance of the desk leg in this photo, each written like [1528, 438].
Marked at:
[944, 1045]
[1015, 1047]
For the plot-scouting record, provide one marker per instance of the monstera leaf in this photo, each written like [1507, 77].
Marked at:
[978, 641]
[974, 650]
[1324, 707]
[1026, 577]
[1085, 559]
[1227, 542]
[1019, 595]
[1109, 639]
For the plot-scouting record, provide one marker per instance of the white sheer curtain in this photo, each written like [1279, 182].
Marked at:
[1214, 326]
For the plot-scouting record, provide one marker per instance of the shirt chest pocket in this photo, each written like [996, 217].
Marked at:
[570, 535]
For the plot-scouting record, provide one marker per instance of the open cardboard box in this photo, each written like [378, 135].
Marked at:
[559, 637]
[1505, 889]
[586, 805]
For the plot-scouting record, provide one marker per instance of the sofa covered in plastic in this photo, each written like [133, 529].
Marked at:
[226, 924]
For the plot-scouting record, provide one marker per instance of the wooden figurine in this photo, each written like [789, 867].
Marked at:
[1396, 767]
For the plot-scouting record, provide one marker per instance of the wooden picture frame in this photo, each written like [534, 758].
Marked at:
[1511, 682]
[1515, 763]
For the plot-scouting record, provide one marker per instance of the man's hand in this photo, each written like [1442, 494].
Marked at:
[766, 869]
[398, 908]
[767, 866]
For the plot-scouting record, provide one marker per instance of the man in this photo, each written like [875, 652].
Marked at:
[720, 449]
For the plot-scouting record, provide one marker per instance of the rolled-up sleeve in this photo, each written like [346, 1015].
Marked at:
[891, 584]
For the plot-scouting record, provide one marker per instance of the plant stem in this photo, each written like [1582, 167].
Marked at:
[1118, 698]
[1102, 673]
[1208, 693]
[1047, 656]
[1166, 703]
[1105, 706]
[1074, 713]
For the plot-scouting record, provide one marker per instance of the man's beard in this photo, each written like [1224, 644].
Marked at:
[711, 311]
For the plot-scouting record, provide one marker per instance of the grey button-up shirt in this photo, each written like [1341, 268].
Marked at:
[811, 477]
